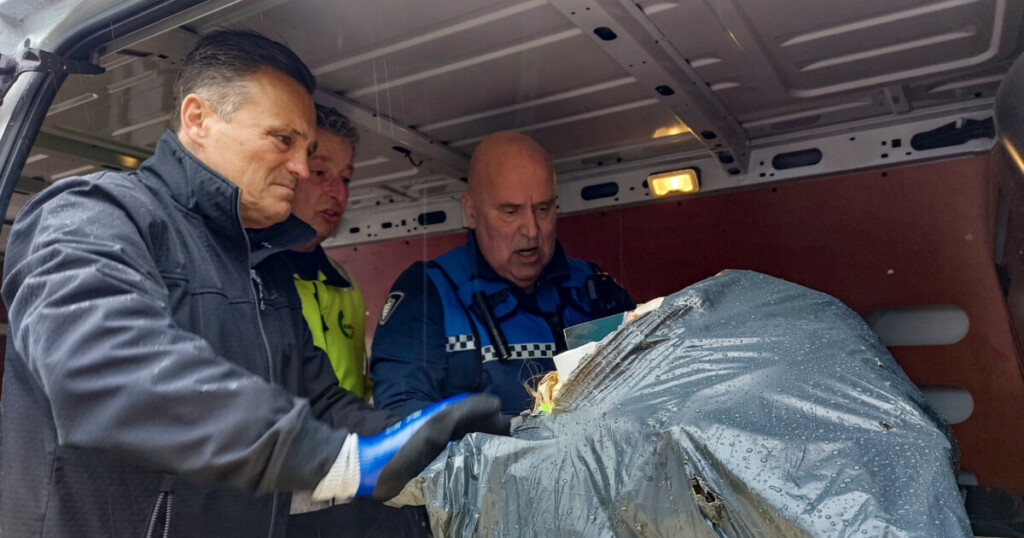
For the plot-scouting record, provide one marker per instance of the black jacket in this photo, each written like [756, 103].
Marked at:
[143, 356]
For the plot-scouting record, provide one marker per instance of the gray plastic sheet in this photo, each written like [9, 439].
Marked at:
[743, 406]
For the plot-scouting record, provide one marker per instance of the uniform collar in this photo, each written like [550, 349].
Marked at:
[204, 192]
[555, 271]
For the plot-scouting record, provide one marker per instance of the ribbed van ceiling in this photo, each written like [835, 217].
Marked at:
[437, 76]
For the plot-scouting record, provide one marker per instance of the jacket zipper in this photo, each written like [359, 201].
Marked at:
[256, 287]
[164, 501]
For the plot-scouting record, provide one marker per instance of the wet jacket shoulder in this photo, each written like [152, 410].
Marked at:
[136, 363]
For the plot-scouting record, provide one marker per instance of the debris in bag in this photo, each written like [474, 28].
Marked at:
[743, 405]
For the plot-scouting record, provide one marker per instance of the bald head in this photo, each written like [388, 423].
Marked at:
[510, 204]
[500, 151]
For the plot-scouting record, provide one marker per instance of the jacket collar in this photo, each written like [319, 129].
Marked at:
[277, 238]
[555, 271]
[309, 266]
[202, 191]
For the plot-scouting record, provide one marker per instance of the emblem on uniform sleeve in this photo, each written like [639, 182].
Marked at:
[390, 305]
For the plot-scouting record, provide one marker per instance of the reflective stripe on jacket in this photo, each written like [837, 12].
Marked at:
[533, 333]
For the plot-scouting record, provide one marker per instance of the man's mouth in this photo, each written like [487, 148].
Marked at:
[331, 215]
[290, 187]
[526, 252]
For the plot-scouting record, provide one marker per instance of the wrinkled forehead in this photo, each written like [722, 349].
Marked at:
[332, 150]
[282, 101]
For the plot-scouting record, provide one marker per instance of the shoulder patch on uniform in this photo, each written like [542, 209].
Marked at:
[390, 305]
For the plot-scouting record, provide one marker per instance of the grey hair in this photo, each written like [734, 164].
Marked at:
[338, 124]
[224, 96]
[220, 64]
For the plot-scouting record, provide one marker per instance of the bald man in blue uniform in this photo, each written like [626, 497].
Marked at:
[488, 316]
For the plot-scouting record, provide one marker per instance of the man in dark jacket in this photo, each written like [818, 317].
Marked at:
[152, 384]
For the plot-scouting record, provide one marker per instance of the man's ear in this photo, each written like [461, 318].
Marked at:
[195, 117]
[470, 209]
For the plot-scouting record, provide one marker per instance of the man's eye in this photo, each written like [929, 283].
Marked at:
[286, 140]
[347, 180]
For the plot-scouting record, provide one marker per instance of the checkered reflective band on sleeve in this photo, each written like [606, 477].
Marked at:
[461, 342]
[522, 352]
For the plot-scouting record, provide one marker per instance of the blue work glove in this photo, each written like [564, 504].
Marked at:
[387, 461]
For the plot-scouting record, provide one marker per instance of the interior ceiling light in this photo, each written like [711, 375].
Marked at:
[684, 181]
[128, 161]
[673, 130]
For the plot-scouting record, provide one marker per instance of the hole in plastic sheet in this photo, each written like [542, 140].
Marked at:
[699, 490]
[707, 501]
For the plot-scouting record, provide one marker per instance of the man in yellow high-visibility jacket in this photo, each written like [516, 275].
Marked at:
[333, 308]
[331, 301]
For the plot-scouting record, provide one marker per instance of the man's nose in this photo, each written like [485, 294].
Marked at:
[529, 226]
[298, 165]
[337, 189]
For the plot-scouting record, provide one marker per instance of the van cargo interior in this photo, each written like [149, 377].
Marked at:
[845, 146]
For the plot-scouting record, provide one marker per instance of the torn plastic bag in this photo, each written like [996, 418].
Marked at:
[743, 406]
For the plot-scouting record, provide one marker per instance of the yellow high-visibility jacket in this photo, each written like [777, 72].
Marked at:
[333, 307]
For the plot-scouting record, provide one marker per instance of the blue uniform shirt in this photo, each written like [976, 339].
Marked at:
[431, 342]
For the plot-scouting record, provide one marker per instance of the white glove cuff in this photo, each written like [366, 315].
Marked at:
[342, 479]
